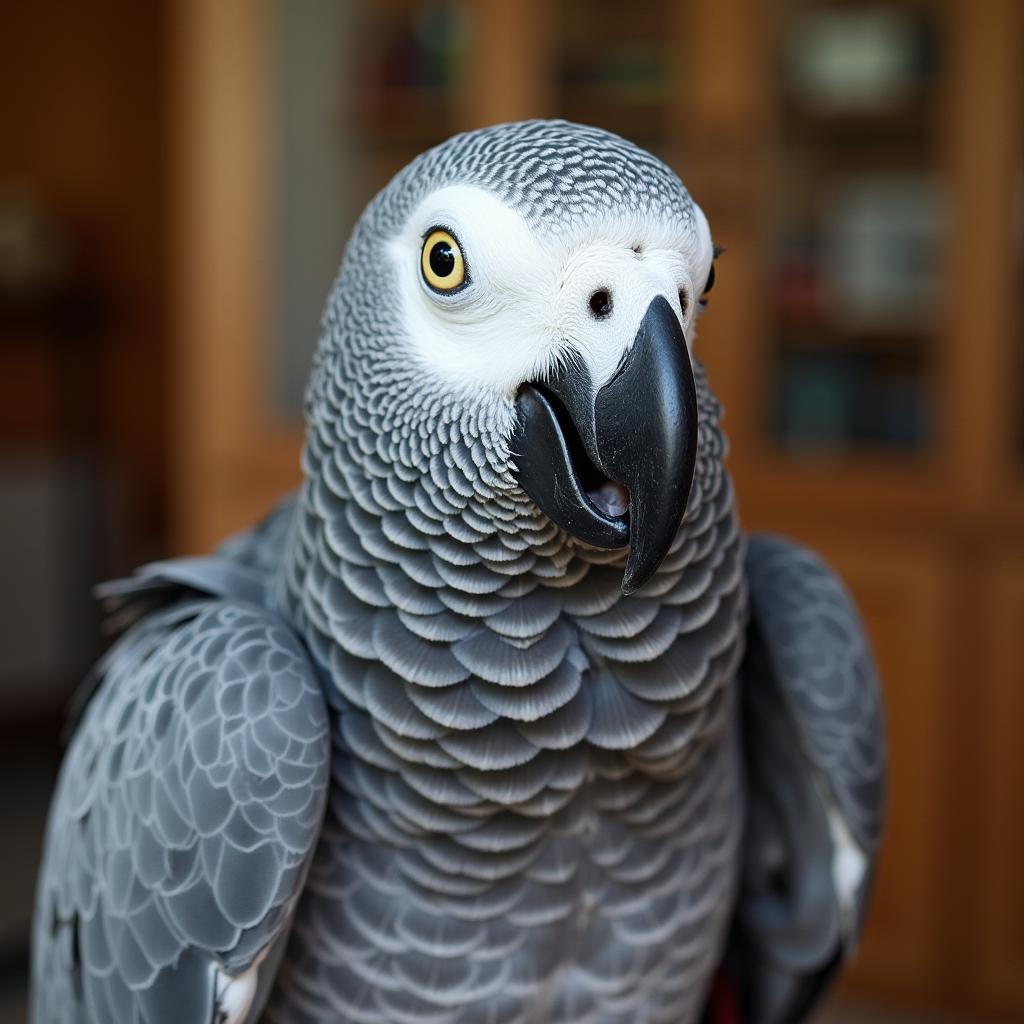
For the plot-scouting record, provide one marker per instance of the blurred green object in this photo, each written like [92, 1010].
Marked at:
[858, 58]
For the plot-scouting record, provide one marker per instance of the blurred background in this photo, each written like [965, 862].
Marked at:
[177, 181]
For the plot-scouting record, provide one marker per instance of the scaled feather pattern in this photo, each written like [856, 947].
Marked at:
[406, 752]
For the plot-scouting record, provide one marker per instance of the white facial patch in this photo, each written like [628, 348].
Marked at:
[527, 305]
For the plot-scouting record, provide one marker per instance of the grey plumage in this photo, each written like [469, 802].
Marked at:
[187, 810]
[518, 793]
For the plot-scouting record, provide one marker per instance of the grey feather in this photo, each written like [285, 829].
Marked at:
[148, 922]
[818, 650]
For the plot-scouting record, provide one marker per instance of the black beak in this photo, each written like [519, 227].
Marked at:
[638, 432]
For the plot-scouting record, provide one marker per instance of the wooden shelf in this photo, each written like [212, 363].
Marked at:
[833, 336]
[908, 123]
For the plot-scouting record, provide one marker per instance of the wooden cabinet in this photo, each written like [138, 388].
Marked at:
[919, 491]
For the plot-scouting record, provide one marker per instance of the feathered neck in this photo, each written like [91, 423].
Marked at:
[469, 630]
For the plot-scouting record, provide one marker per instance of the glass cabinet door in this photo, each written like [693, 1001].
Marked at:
[857, 229]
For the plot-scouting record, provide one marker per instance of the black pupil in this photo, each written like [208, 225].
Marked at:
[442, 259]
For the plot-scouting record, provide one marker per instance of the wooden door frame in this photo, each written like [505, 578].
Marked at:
[221, 72]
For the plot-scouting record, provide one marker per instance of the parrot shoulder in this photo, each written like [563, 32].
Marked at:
[185, 817]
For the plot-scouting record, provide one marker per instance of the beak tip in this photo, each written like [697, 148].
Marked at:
[630, 584]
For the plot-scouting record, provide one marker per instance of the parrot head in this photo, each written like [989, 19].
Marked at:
[513, 318]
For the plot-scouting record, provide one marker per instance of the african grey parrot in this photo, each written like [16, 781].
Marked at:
[500, 718]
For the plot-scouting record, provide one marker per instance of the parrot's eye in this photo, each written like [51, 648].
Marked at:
[441, 261]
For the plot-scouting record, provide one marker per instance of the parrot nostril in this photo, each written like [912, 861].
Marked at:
[684, 303]
[601, 304]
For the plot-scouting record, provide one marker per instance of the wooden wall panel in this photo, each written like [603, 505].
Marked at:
[1000, 883]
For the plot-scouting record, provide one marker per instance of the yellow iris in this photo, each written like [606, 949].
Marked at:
[441, 261]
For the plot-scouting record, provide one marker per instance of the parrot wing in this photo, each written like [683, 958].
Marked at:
[240, 569]
[815, 764]
[186, 814]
